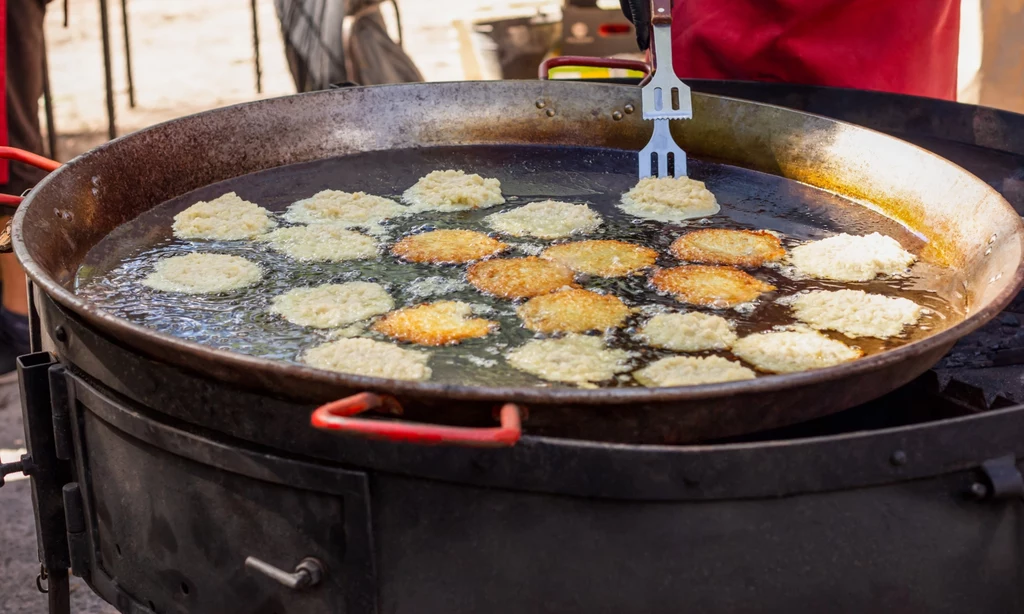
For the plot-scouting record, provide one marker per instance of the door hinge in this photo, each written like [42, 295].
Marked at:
[1001, 480]
[74, 518]
[60, 404]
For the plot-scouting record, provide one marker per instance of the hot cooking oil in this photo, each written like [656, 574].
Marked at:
[239, 321]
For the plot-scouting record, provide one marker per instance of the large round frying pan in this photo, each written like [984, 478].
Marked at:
[965, 225]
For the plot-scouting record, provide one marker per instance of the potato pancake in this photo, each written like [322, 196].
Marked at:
[851, 258]
[321, 243]
[226, 218]
[519, 277]
[575, 359]
[447, 247]
[603, 258]
[742, 248]
[549, 219]
[855, 313]
[369, 358]
[573, 311]
[669, 199]
[691, 371]
[332, 305]
[793, 351]
[453, 190]
[345, 209]
[441, 323]
[720, 287]
[203, 274]
[688, 332]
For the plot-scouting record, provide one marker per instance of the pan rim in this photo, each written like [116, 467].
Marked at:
[117, 327]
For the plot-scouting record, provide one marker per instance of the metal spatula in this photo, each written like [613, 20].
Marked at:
[665, 98]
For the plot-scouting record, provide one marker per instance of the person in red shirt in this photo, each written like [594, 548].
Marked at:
[898, 46]
[21, 87]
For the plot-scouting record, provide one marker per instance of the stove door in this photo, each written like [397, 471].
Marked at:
[170, 518]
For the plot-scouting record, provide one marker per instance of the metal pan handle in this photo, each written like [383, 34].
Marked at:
[590, 62]
[20, 155]
[338, 416]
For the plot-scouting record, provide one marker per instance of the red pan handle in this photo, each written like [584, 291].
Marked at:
[591, 62]
[20, 155]
[338, 416]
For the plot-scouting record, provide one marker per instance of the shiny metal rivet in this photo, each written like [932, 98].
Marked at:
[60, 334]
[617, 115]
[550, 112]
[978, 491]
[898, 458]
[541, 104]
[629, 109]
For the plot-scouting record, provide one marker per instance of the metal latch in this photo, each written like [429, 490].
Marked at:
[24, 466]
[1002, 480]
[307, 573]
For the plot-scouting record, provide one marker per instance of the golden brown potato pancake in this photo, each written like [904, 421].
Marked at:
[441, 323]
[744, 248]
[447, 247]
[710, 286]
[603, 258]
[573, 311]
[519, 277]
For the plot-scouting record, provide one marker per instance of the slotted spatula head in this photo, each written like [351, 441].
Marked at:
[664, 98]
[662, 157]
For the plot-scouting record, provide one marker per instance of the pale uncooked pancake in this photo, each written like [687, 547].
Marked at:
[226, 218]
[447, 247]
[855, 313]
[669, 199]
[519, 277]
[793, 351]
[452, 190]
[332, 305]
[851, 258]
[688, 332]
[321, 243]
[345, 209]
[574, 358]
[603, 258]
[203, 274]
[441, 323]
[573, 311]
[369, 358]
[691, 371]
[744, 248]
[720, 287]
[549, 219]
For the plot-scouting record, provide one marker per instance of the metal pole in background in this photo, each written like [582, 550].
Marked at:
[51, 130]
[255, 46]
[128, 54]
[105, 35]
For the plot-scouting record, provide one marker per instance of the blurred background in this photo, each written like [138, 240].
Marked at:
[190, 55]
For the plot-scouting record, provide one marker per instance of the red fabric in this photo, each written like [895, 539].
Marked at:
[900, 46]
[4, 176]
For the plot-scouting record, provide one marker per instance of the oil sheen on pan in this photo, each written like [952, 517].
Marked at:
[242, 320]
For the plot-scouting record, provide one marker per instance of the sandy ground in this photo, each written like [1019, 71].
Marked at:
[193, 55]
